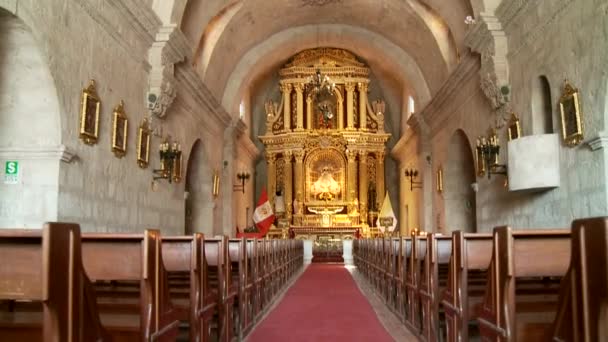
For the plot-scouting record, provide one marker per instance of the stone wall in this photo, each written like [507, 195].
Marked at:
[110, 42]
[559, 39]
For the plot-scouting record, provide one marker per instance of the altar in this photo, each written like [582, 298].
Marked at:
[325, 145]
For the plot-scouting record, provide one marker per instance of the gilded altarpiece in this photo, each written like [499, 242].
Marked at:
[325, 149]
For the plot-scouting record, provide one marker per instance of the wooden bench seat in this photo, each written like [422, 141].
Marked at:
[520, 302]
[128, 259]
[432, 283]
[34, 274]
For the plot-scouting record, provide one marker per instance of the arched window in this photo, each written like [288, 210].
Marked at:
[542, 108]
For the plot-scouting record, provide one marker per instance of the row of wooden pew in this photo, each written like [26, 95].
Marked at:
[511, 285]
[57, 284]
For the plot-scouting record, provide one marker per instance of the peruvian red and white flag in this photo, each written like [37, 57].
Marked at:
[263, 216]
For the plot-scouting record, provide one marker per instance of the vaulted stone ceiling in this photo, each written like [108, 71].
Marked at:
[410, 45]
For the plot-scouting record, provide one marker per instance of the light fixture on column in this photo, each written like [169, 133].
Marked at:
[243, 177]
[170, 162]
[488, 151]
[412, 174]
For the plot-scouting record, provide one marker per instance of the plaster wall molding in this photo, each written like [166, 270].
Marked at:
[487, 37]
[60, 152]
[169, 48]
[600, 142]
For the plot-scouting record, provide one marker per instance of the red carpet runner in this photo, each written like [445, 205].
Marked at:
[325, 304]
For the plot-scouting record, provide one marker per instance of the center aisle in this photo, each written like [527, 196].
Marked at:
[325, 304]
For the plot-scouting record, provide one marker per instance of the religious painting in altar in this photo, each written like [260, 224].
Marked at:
[326, 106]
[325, 177]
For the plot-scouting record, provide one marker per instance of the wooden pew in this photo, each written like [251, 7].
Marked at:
[132, 258]
[583, 306]
[217, 286]
[45, 267]
[184, 256]
[251, 283]
[433, 282]
[412, 279]
[237, 251]
[469, 261]
[520, 300]
[261, 279]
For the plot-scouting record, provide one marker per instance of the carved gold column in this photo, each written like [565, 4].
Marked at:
[288, 179]
[363, 185]
[299, 87]
[286, 89]
[299, 173]
[308, 112]
[363, 106]
[350, 122]
[380, 191]
[271, 160]
[352, 174]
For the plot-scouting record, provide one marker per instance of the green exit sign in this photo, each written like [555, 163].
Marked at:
[11, 172]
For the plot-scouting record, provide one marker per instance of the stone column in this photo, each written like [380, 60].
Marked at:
[286, 89]
[308, 112]
[363, 185]
[363, 106]
[288, 179]
[352, 174]
[350, 122]
[271, 160]
[300, 106]
[380, 191]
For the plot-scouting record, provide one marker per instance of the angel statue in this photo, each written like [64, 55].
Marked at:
[272, 109]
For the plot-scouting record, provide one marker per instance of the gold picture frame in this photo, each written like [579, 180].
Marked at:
[120, 130]
[143, 145]
[440, 179]
[216, 183]
[571, 113]
[514, 128]
[89, 114]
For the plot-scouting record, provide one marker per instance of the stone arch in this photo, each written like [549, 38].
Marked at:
[199, 197]
[30, 127]
[458, 195]
[542, 106]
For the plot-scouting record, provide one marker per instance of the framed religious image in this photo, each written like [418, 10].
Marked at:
[514, 128]
[120, 131]
[440, 179]
[89, 115]
[570, 110]
[143, 145]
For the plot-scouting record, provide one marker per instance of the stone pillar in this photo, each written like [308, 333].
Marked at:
[299, 174]
[299, 87]
[380, 191]
[351, 174]
[308, 112]
[363, 185]
[350, 122]
[286, 89]
[288, 180]
[363, 106]
[271, 160]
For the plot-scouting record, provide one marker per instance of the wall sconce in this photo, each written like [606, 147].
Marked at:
[170, 162]
[488, 151]
[242, 176]
[411, 174]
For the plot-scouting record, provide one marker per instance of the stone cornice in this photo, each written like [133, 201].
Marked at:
[248, 148]
[463, 72]
[60, 152]
[599, 142]
[193, 85]
[141, 20]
